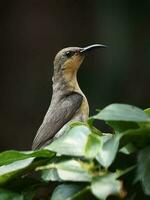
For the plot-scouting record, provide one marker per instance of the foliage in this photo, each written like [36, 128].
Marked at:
[85, 163]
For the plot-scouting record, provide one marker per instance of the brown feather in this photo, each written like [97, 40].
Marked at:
[57, 116]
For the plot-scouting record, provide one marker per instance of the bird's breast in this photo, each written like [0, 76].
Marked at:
[82, 113]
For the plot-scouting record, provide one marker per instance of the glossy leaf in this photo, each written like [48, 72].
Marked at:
[143, 170]
[69, 192]
[72, 142]
[128, 149]
[147, 111]
[140, 137]
[104, 186]
[67, 170]
[107, 153]
[77, 141]
[50, 175]
[122, 112]
[92, 146]
[8, 157]
[120, 126]
[9, 171]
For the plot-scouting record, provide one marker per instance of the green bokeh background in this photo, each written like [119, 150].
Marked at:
[31, 33]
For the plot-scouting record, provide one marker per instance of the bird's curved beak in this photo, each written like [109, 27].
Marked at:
[91, 47]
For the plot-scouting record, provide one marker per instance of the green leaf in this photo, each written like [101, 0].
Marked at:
[8, 195]
[92, 146]
[15, 162]
[128, 149]
[8, 157]
[50, 175]
[74, 170]
[75, 160]
[72, 142]
[75, 142]
[140, 137]
[67, 170]
[147, 111]
[9, 171]
[143, 169]
[104, 186]
[122, 112]
[90, 121]
[146, 179]
[69, 192]
[120, 126]
[107, 153]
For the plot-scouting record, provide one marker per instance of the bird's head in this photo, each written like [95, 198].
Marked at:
[69, 59]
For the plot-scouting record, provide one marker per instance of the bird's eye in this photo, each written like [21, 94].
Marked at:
[69, 53]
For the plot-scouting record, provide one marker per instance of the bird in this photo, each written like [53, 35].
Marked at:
[68, 102]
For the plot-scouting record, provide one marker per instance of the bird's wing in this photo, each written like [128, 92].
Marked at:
[56, 118]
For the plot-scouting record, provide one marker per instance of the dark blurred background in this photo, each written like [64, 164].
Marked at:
[31, 33]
